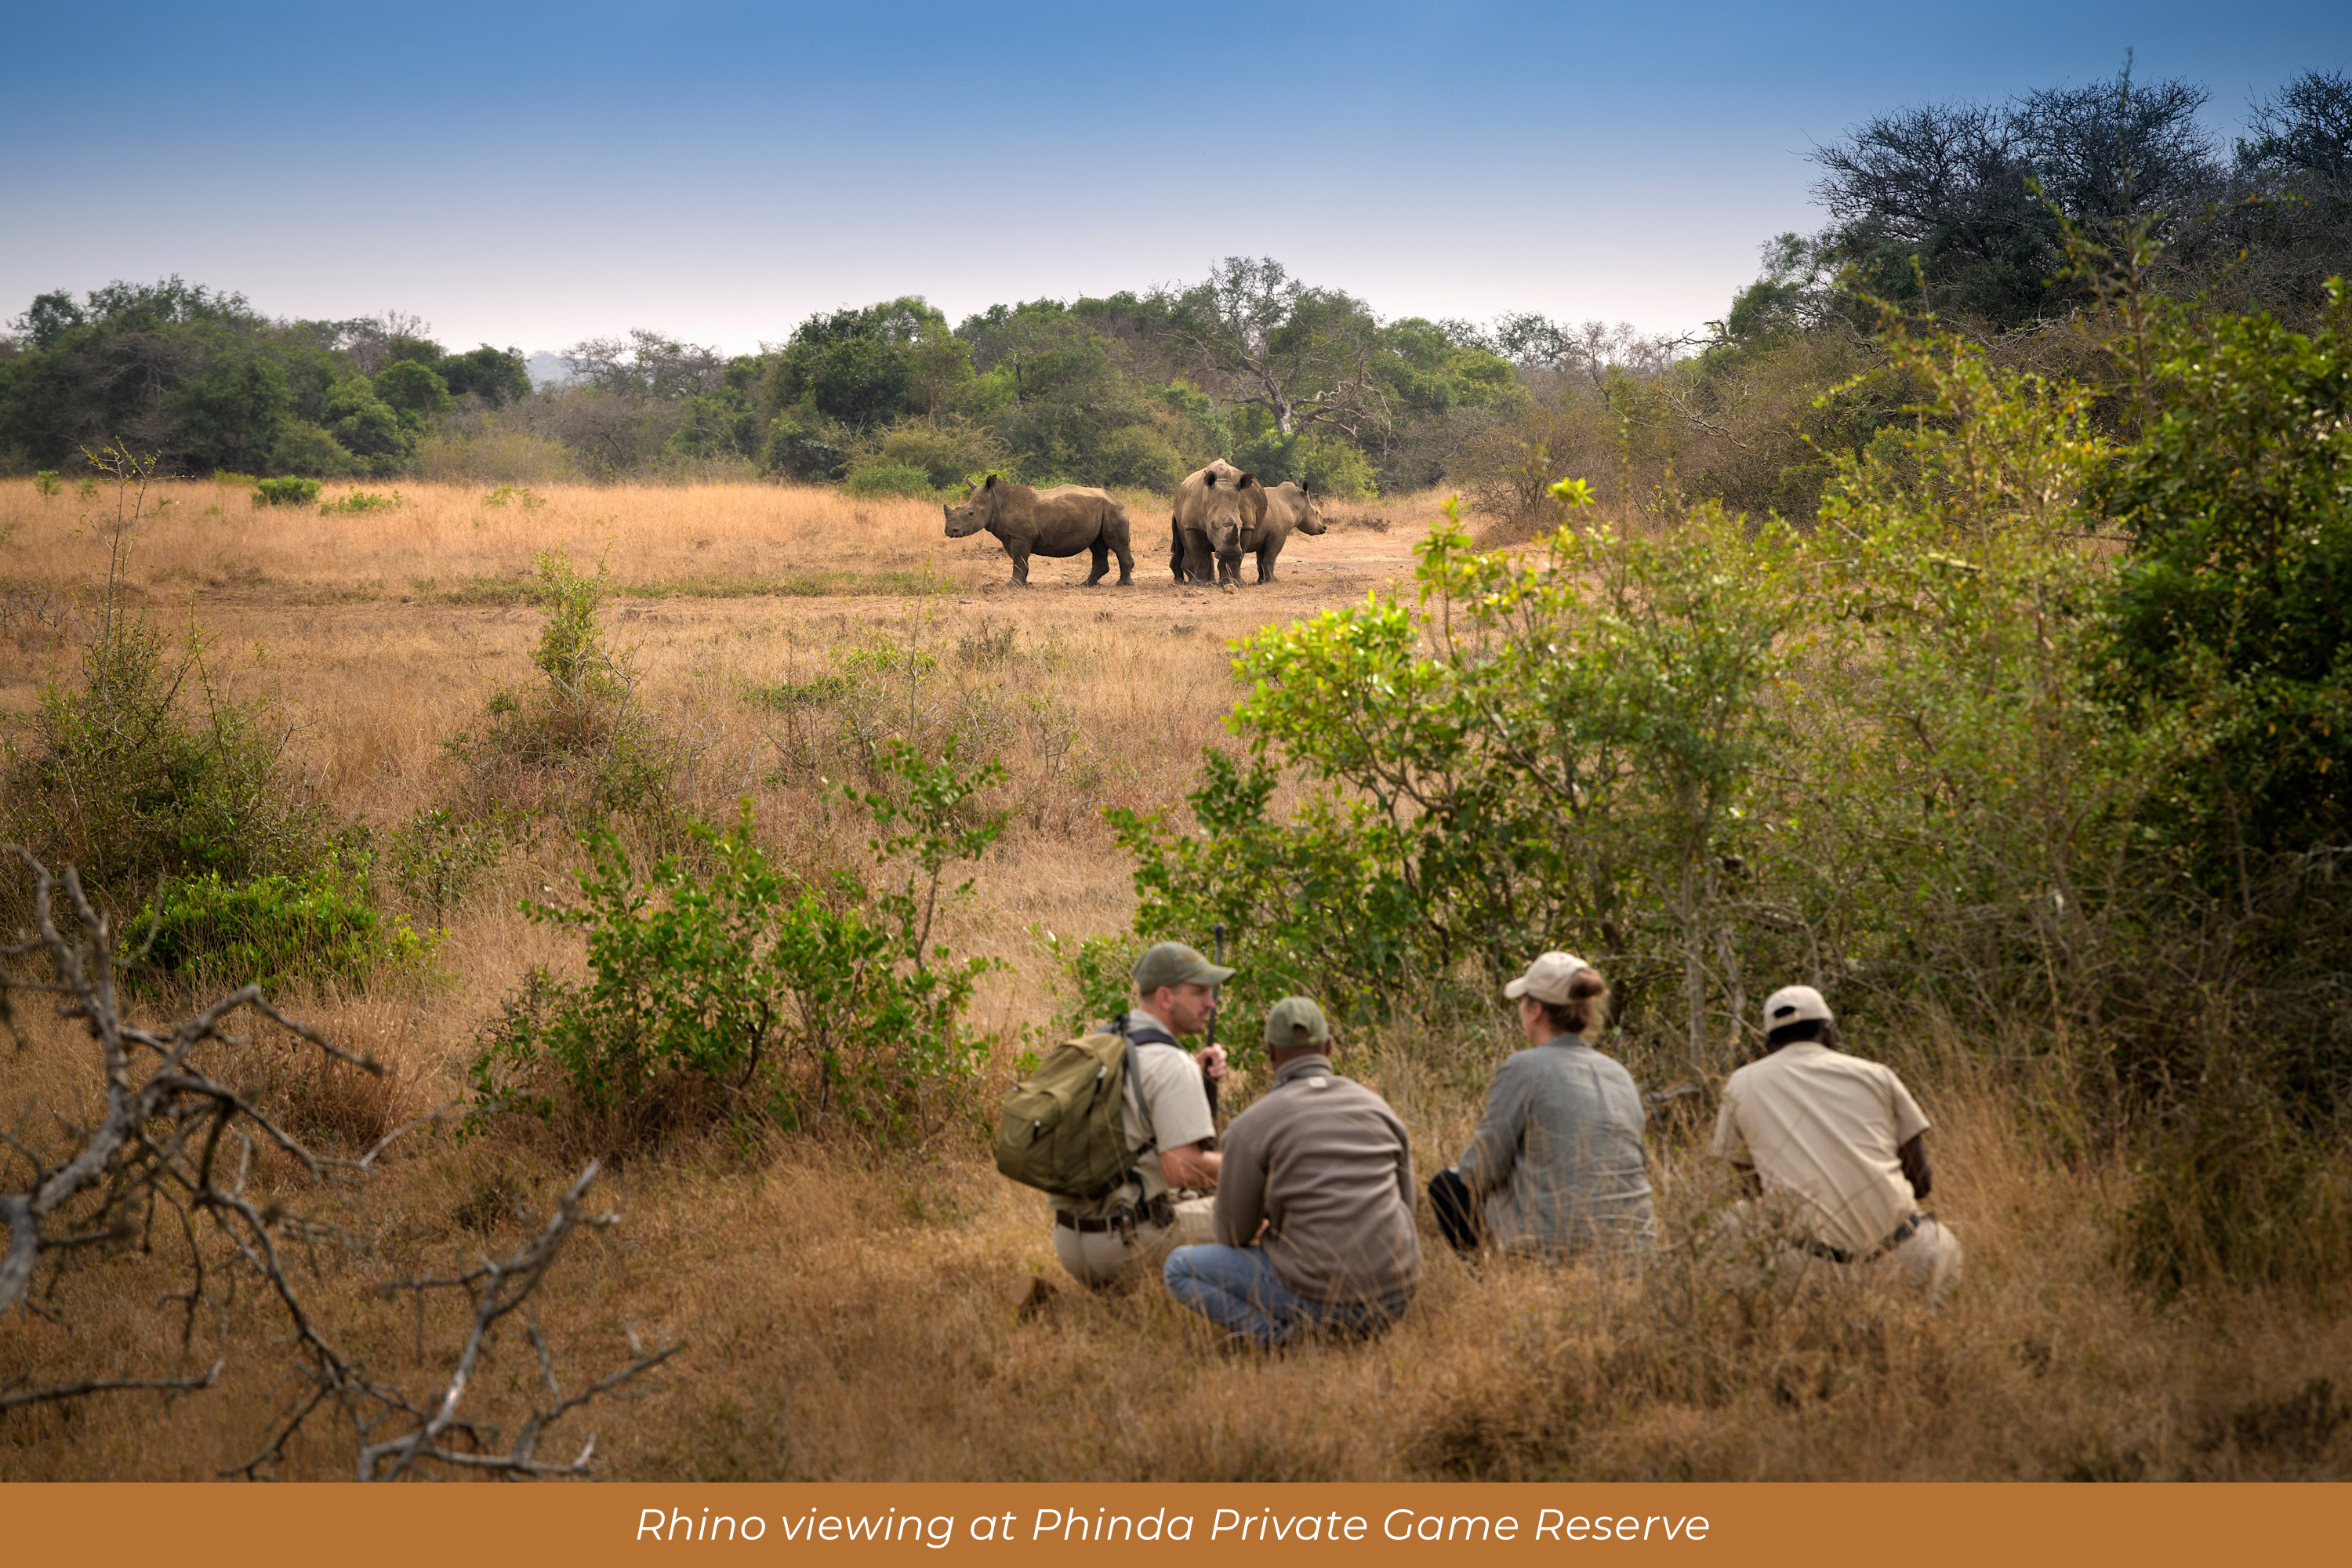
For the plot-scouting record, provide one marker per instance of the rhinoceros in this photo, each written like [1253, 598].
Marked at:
[1057, 522]
[1288, 506]
[1214, 506]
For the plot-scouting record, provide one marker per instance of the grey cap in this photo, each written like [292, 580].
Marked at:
[1296, 1021]
[1174, 963]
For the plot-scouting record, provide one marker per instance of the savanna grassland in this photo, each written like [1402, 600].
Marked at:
[856, 1310]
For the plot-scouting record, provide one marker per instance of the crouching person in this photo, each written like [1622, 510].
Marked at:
[1313, 1211]
[1127, 1233]
[1557, 1168]
[1839, 1145]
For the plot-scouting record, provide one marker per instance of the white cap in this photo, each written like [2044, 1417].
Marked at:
[1547, 978]
[1794, 1005]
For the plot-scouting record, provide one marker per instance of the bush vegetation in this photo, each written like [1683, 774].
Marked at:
[319, 923]
[291, 490]
[359, 503]
[169, 796]
[1944, 753]
[721, 986]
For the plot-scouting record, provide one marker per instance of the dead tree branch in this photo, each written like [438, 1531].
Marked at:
[178, 1143]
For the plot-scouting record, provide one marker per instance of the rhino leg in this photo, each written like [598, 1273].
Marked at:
[1101, 552]
[1200, 562]
[1175, 552]
[1266, 554]
[1126, 559]
[1019, 554]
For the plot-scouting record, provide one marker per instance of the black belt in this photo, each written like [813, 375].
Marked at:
[1160, 1211]
[1895, 1238]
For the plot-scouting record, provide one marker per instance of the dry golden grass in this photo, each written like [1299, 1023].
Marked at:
[853, 1318]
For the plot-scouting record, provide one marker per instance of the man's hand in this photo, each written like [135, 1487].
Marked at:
[1212, 1062]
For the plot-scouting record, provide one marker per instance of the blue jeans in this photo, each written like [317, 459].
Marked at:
[1237, 1288]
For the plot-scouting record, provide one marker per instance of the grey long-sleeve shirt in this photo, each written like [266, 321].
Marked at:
[1558, 1157]
[1328, 1165]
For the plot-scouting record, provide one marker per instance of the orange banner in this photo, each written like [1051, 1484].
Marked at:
[1917, 1526]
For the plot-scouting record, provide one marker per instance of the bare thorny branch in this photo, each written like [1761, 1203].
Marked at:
[175, 1140]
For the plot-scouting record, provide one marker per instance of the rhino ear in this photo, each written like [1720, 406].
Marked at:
[992, 483]
[1213, 478]
[1248, 481]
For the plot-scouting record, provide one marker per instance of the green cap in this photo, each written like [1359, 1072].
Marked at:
[1296, 1021]
[1174, 963]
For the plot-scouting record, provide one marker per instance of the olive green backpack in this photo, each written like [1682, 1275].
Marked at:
[1060, 1130]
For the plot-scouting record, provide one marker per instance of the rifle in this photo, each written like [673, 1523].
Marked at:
[1206, 1081]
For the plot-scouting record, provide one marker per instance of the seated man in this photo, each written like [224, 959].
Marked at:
[1842, 1142]
[1127, 1233]
[1314, 1212]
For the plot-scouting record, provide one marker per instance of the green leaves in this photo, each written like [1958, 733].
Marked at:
[2236, 599]
[1537, 743]
[720, 984]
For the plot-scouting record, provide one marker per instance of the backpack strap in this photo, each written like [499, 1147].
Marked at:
[1149, 1035]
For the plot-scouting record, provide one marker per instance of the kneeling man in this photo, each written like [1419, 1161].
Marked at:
[1127, 1233]
[1842, 1142]
[1314, 1212]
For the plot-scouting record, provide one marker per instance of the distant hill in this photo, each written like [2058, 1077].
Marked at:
[548, 369]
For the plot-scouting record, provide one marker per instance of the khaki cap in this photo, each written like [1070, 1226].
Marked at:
[1296, 1021]
[1174, 963]
[1547, 978]
[1794, 1005]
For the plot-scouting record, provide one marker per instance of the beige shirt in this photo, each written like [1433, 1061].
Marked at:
[1166, 1108]
[1325, 1165]
[1822, 1128]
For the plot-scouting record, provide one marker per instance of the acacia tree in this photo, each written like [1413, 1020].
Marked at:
[1305, 355]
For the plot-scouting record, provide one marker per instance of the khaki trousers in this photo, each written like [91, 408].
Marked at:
[1106, 1259]
[1928, 1261]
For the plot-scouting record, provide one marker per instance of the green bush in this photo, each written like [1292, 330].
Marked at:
[305, 449]
[945, 451]
[321, 924]
[290, 490]
[735, 991]
[522, 496]
[1139, 457]
[1545, 744]
[46, 482]
[890, 480]
[805, 449]
[361, 501]
[139, 771]
[1327, 464]
[2235, 600]
[1096, 982]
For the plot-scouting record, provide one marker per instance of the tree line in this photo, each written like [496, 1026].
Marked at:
[1964, 210]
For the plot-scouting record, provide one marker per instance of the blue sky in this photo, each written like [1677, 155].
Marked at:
[531, 175]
